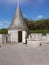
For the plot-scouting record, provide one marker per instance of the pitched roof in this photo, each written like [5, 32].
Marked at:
[18, 22]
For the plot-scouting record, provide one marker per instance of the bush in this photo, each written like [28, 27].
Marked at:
[3, 31]
[39, 31]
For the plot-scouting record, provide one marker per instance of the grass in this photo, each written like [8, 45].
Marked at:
[39, 31]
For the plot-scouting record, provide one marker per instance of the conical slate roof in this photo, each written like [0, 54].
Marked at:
[18, 22]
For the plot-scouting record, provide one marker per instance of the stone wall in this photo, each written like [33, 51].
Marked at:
[13, 35]
[0, 38]
[47, 37]
[6, 38]
[35, 39]
[36, 36]
[24, 36]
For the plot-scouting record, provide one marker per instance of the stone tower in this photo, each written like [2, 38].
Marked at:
[18, 29]
[18, 22]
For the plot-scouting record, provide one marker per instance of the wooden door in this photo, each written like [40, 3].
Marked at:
[19, 36]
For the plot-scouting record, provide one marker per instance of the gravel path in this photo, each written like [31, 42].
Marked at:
[24, 55]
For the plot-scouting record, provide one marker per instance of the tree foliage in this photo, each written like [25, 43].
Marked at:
[3, 31]
[37, 25]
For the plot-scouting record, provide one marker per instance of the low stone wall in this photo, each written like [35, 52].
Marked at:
[37, 39]
[34, 43]
[4, 38]
[0, 39]
[35, 36]
[47, 37]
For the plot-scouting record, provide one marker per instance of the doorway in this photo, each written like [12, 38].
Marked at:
[19, 36]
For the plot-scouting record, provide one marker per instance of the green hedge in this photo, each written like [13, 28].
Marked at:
[3, 31]
[39, 31]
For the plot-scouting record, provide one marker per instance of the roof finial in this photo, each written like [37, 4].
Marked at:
[18, 3]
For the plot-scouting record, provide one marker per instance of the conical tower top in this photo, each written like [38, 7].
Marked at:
[18, 22]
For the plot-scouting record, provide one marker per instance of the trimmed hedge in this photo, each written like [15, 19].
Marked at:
[39, 31]
[3, 31]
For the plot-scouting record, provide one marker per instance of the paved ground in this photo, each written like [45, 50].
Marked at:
[24, 55]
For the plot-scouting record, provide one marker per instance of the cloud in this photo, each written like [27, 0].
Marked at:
[1, 23]
[4, 24]
[39, 17]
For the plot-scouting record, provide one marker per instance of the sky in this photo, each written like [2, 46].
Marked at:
[31, 9]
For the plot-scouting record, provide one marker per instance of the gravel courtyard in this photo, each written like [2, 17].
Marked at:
[24, 55]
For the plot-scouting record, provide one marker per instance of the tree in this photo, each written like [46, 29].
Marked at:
[3, 31]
